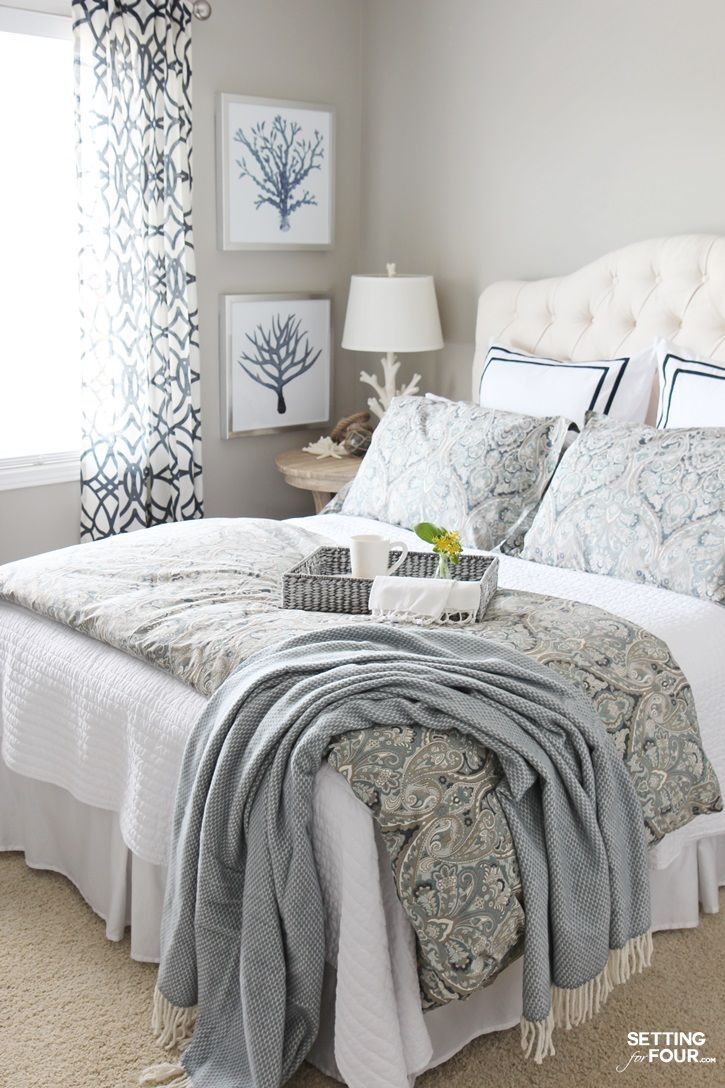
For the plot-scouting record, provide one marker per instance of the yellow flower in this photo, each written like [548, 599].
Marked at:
[448, 544]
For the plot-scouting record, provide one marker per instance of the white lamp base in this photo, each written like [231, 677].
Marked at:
[385, 392]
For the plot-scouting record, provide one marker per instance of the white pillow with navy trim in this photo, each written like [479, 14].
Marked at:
[514, 381]
[692, 391]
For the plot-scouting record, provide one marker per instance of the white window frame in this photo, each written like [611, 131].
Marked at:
[43, 24]
[64, 466]
[48, 468]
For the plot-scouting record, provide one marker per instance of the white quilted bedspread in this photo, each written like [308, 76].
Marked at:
[111, 730]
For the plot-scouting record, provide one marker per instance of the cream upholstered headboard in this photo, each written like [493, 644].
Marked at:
[668, 287]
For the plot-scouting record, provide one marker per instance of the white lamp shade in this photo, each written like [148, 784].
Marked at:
[392, 313]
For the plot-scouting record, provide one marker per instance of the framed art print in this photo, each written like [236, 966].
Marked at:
[276, 173]
[276, 371]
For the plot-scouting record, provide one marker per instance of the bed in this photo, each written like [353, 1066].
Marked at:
[92, 739]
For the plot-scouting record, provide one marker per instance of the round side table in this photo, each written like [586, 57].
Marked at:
[323, 476]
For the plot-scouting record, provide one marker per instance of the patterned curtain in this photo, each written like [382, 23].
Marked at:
[141, 452]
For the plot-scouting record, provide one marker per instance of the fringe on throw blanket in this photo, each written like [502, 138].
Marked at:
[569, 1008]
[172, 1028]
[168, 1074]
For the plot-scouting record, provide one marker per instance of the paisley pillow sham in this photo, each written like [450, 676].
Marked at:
[334, 506]
[469, 468]
[641, 504]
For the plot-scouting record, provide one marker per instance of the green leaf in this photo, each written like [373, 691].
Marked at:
[428, 532]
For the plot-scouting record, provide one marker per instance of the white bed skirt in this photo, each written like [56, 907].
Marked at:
[57, 832]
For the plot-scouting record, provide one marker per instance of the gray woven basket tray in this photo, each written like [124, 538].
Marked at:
[323, 583]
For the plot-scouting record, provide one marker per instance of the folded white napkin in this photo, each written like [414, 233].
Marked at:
[424, 600]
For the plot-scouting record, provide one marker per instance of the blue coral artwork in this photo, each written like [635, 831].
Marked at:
[277, 364]
[277, 174]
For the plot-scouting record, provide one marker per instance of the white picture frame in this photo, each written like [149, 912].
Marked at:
[276, 364]
[260, 141]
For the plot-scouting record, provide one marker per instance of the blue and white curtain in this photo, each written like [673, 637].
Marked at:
[141, 453]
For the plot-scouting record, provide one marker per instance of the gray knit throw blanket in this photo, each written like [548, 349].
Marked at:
[243, 931]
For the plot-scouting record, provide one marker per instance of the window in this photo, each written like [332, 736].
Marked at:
[39, 328]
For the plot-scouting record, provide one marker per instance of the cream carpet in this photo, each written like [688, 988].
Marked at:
[74, 1007]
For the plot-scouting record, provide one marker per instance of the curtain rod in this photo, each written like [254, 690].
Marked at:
[201, 9]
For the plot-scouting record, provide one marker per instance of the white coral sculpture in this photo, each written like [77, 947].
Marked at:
[325, 447]
[385, 392]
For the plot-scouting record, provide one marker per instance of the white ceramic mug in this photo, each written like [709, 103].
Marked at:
[370, 555]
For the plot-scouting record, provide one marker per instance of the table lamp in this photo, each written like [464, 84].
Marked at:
[391, 313]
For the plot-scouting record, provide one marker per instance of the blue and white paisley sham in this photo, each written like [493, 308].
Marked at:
[640, 504]
[473, 469]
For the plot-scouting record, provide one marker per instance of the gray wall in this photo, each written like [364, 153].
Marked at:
[515, 138]
[500, 138]
[272, 48]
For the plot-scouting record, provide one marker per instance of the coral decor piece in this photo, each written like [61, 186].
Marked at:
[325, 447]
[391, 366]
[380, 403]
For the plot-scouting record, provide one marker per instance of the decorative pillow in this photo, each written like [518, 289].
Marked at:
[517, 382]
[692, 391]
[334, 506]
[468, 468]
[638, 503]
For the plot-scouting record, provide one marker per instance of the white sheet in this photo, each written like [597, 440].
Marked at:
[111, 730]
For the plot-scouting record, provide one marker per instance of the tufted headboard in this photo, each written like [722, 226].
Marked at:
[669, 287]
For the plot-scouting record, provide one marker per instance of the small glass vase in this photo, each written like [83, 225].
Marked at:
[445, 567]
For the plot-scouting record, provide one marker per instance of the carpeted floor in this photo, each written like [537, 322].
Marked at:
[74, 1007]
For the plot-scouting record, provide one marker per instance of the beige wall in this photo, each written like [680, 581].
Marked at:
[279, 49]
[515, 138]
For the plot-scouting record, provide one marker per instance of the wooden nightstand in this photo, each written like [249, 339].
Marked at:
[323, 476]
